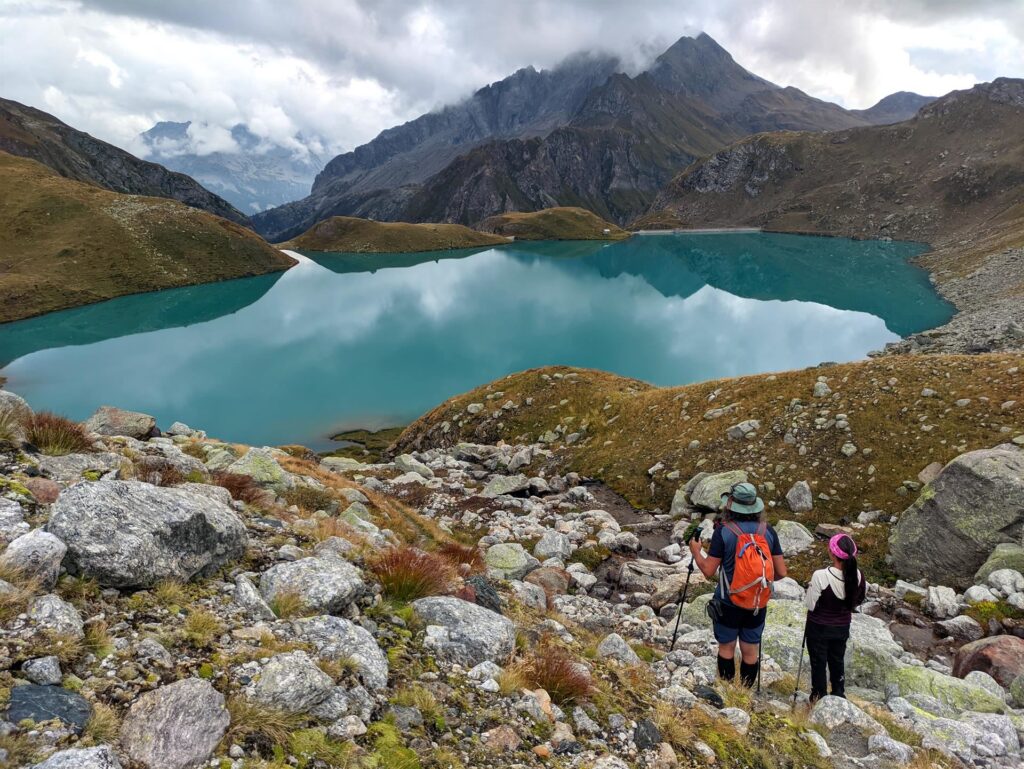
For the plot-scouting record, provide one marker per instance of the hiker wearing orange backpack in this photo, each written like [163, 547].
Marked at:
[747, 554]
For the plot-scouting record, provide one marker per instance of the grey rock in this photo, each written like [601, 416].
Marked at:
[614, 646]
[505, 484]
[101, 757]
[1006, 581]
[44, 671]
[177, 726]
[291, 683]
[12, 520]
[70, 467]
[832, 712]
[133, 534]
[822, 390]
[113, 421]
[743, 429]
[800, 498]
[708, 491]
[52, 613]
[738, 718]
[976, 502]
[346, 728]
[553, 544]
[509, 560]
[151, 650]
[326, 584]
[261, 465]
[16, 406]
[249, 599]
[887, 748]
[43, 703]
[794, 537]
[978, 594]
[37, 554]
[1007, 555]
[464, 633]
[940, 602]
[335, 638]
[787, 589]
[409, 464]
[962, 628]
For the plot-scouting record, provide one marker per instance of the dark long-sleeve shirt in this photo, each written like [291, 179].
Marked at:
[825, 594]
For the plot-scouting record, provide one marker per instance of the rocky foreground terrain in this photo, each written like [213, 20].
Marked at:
[171, 601]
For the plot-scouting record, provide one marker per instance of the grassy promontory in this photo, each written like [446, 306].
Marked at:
[68, 243]
[562, 223]
[881, 412]
[363, 236]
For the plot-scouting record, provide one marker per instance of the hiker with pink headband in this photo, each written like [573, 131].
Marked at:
[831, 598]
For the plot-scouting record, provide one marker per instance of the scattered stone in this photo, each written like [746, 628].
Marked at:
[113, 421]
[43, 703]
[505, 484]
[409, 464]
[177, 726]
[646, 735]
[800, 498]
[1007, 555]
[940, 602]
[553, 544]
[748, 427]
[291, 683]
[832, 712]
[738, 718]
[37, 554]
[101, 757]
[261, 465]
[44, 671]
[794, 537]
[962, 628]
[338, 639]
[615, 647]
[53, 614]
[509, 561]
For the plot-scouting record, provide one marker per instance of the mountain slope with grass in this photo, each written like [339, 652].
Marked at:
[553, 224]
[68, 243]
[362, 236]
[952, 177]
[583, 134]
[74, 154]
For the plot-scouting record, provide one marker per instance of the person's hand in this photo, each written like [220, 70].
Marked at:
[695, 547]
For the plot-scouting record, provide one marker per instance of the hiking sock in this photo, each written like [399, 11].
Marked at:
[748, 673]
[726, 668]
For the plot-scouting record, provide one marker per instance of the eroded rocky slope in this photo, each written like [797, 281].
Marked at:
[170, 600]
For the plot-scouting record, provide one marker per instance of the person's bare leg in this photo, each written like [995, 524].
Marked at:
[727, 651]
[748, 667]
[749, 652]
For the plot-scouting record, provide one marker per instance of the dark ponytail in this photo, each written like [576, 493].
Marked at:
[851, 575]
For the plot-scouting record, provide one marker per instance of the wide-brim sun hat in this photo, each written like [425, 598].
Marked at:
[744, 499]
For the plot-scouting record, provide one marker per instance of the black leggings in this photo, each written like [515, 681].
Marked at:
[826, 645]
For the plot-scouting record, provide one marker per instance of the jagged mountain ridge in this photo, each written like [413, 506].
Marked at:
[32, 133]
[608, 147]
[259, 175]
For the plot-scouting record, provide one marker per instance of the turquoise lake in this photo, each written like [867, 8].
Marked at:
[367, 341]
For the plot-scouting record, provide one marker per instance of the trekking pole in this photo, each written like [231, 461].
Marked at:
[682, 600]
[799, 668]
[759, 647]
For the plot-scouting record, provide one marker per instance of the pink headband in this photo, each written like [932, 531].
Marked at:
[833, 547]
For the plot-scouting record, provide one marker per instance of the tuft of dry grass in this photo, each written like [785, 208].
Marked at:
[14, 602]
[407, 573]
[288, 604]
[170, 592]
[554, 669]
[309, 498]
[97, 639]
[11, 428]
[240, 487]
[202, 627]
[251, 719]
[467, 559]
[66, 648]
[56, 435]
[103, 725]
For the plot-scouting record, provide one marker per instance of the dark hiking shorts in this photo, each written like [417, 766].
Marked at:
[734, 622]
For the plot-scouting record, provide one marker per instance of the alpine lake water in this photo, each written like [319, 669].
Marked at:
[345, 341]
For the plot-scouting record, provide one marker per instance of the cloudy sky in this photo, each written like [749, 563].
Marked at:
[345, 69]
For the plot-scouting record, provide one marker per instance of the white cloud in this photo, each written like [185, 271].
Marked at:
[342, 70]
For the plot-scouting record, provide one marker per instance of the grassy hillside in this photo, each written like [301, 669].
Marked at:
[362, 236]
[626, 427]
[561, 223]
[68, 243]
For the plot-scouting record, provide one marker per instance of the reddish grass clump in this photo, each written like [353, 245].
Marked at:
[466, 559]
[240, 487]
[56, 435]
[554, 669]
[407, 573]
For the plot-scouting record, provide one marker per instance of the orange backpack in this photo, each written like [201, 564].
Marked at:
[754, 570]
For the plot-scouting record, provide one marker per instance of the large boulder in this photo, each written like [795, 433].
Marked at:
[463, 633]
[708, 491]
[335, 638]
[38, 555]
[177, 726]
[113, 421]
[327, 585]
[975, 504]
[1007, 555]
[133, 534]
[101, 757]
[1001, 656]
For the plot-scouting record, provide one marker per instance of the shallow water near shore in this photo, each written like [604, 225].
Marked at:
[365, 341]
